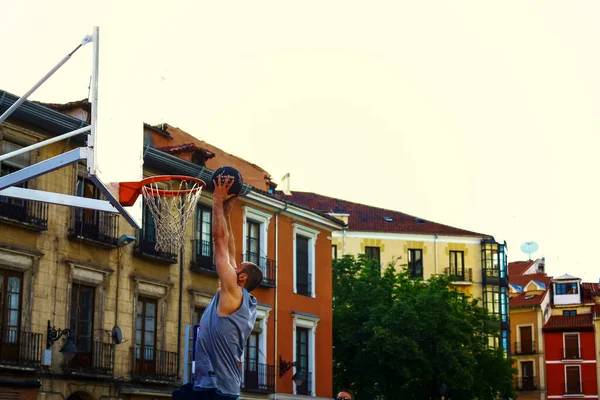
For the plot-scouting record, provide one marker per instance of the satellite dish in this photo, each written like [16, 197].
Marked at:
[116, 335]
[529, 247]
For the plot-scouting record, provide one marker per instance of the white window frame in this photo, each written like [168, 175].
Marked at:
[263, 218]
[262, 317]
[310, 322]
[580, 382]
[532, 335]
[578, 345]
[311, 234]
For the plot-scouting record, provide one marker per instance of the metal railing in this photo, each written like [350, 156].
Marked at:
[527, 347]
[466, 274]
[20, 348]
[266, 265]
[526, 383]
[27, 212]
[306, 387]
[304, 284]
[147, 246]
[154, 365]
[571, 353]
[98, 361]
[99, 226]
[203, 257]
[259, 378]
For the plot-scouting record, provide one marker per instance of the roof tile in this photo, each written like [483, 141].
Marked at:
[580, 322]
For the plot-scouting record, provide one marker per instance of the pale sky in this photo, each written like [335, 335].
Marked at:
[482, 115]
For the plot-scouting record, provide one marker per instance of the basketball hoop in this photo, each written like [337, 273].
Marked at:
[170, 208]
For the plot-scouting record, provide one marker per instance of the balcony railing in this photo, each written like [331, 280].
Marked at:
[20, 348]
[259, 378]
[203, 257]
[98, 361]
[526, 383]
[32, 214]
[154, 365]
[304, 284]
[466, 274]
[305, 388]
[265, 264]
[146, 247]
[527, 347]
[571, 353]
[96, 226]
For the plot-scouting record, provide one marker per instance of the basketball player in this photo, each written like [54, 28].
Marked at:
[230, 316]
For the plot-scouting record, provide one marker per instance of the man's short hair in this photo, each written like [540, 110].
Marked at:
[255, 276]
[350, 392]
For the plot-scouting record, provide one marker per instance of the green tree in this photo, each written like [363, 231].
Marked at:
[398, 338]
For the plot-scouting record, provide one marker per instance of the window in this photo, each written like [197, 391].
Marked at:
[457, 263]
[491, 300]
[251, 361]
[527, 377]
[567, 288]
[573, 379]
[571, 350]
[569, 313]
[257, 375]
[334, 255]
[10, 298]
[204, 245]
[197, 315]
[525, 346]
[493, 258]
[145, 334]
[305, 240]
[305, 328]
[415, 263]
[373, 253]
[302, 359]
[303, 276]
[82, 323]
[13, 207]
[253, 242]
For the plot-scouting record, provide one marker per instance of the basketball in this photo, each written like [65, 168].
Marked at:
[236, 188]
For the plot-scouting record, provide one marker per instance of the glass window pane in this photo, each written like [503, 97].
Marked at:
[150, 309]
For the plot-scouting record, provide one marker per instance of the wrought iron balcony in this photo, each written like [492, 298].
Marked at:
[265, 264]
[526, 383]
[20, 348]
[527, 347]
[259, 378]
[29, 214]
[203, 257]
[146, 247]
[465, 275]
[94, 226]
[152, 365]
[571, 353]
[99, 360]
[304, 284]
[305, 388]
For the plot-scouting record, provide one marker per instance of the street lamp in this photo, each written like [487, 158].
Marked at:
[285, 366]
[69, 349]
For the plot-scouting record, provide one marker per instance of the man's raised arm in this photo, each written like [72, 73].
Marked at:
[221, 235]
[227, 207]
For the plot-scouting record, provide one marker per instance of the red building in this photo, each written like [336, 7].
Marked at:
[569, 339]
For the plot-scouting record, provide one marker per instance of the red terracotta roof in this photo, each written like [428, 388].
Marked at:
[523, 280]
[525, 300]
[83, 104]
[369, 218]
[593, 288]
[580, 322]
[518, 267]
[597, 310]
[186, 147]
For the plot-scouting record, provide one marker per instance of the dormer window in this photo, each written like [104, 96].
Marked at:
[567, 288]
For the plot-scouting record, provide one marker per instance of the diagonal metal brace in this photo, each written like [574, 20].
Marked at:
[43, 167]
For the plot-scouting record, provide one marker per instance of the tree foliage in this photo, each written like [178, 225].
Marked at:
[398, 338]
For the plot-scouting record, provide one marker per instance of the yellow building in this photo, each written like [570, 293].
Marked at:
[90, 272]
[530, 309]
[424, 247]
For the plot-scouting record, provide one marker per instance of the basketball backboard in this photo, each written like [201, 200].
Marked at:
[115, 138]
[117, 135]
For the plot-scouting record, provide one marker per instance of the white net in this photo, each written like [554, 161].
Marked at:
[171, 213]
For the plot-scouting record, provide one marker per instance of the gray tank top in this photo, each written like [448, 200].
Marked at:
[220, 345]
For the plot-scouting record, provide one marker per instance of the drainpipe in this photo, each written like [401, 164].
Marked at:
[275, 308]
[435, 237]
[181, 253]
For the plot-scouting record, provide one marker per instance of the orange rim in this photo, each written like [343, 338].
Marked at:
[130, 191]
